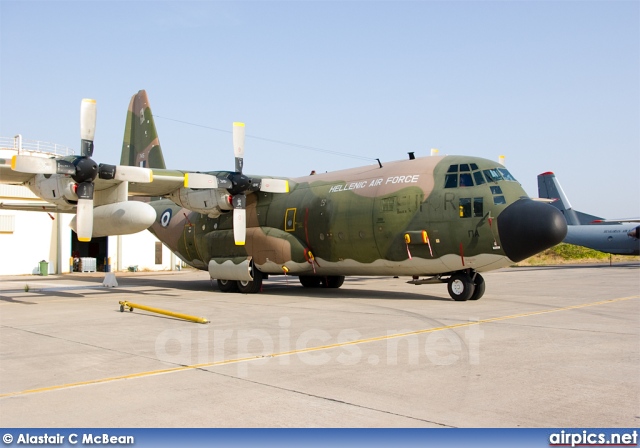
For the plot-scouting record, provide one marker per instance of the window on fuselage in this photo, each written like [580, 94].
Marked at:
[507, 175]
[451, 181]
[477, 176]
[478, 209]
[469, 207]
[466, 180]
[465, 207]
[492, 175]
[498, 200]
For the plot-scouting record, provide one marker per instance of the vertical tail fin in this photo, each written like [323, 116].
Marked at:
[549, 188]
[141, 146]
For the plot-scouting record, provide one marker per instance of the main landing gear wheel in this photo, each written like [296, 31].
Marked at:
[478, 291]
[332, 281]
[227, 285]
[254, 286]
[460, 287]
[309, 281]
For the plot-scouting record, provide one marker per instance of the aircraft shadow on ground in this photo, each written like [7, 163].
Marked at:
[606, 265]
[292, 288]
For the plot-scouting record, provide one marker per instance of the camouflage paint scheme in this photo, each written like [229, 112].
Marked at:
[350, 222]
[411, 218]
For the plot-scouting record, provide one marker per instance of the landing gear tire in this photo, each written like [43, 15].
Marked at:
[227, 285]
[332, 281]
[251, 287]
[479, 287]
[310, 281]
[460, 287]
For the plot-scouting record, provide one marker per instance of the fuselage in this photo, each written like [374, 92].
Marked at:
[416, 217]
[610, 238]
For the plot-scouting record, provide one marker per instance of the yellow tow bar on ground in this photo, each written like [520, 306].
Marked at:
[131, 306]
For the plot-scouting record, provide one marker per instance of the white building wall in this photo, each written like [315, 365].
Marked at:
[34, 239]
[139, 250]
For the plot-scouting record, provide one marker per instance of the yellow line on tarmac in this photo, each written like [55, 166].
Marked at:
[311, 349]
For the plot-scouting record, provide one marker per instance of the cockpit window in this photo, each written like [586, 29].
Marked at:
[507, 175]
[492, 175]
[465, 179]
[477, 175]
[468, 175]
[499, 200]
[451, 180]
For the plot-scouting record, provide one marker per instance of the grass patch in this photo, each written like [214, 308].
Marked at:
[569, 253]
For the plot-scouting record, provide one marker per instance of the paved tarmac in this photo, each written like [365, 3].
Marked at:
[545, 347]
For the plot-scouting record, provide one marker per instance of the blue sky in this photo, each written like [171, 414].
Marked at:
[552, 85]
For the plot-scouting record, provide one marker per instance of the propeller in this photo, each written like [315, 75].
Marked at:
[82, 169]
[86, 170]
[237, 184]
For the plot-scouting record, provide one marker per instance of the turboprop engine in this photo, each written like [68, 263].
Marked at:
[209, 202]
[120, 218]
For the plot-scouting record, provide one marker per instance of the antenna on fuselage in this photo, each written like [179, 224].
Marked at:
[412, 155]
[379, 163]
[434, 152]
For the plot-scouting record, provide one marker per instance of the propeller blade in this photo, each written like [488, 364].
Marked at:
[239, 226]
[34, 165]
[84, 211]
[133, 174]
[274, 185]
[106, 171]
[65, 167]
[238, 145]
[200, 180]
[87, 126]
[239, 219]
[84, 219]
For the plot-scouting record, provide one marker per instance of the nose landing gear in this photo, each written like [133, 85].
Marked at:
[466, 285]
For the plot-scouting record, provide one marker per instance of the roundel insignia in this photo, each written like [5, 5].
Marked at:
[165, 218]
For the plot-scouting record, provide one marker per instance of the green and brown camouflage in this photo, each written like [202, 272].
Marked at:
[141, 146]
[430, 216]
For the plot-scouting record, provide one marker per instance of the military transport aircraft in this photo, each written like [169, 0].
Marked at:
[446, 218]
[588, 230]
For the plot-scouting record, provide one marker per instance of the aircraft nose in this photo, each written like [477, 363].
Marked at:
[527, 227]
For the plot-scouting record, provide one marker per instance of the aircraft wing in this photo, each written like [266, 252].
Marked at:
[164, 182]
[32, 207]
[9, 176]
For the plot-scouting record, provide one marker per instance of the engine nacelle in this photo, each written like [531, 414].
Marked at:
[120, 218]
[209, 202]
[54, 188]
[634, 233]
